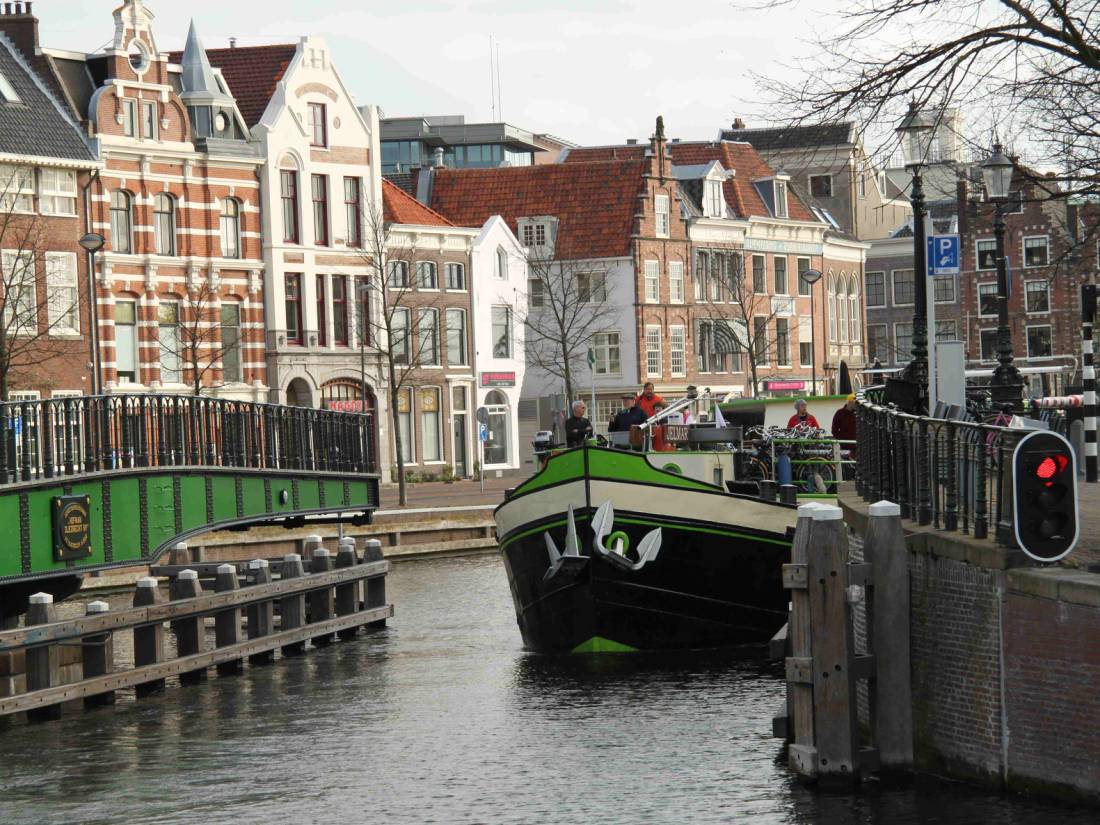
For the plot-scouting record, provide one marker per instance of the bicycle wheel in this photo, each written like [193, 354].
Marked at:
[756, 469]
[815, 478]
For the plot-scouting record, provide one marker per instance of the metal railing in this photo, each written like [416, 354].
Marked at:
[72, 436]
[954, 475]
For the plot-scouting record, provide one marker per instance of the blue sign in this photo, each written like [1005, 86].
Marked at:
[483, 432]
[943, 255]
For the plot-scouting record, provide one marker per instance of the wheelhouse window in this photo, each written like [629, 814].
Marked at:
[231, 228]
[122, 235]
[288, 183]
[164, 224]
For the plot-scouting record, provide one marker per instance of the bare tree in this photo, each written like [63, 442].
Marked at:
[568, 305]
[198, 344]
[40, 299]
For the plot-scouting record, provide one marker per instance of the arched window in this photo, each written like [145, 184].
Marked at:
[501, 268]
[832, 308]
[231, 228]
[842, 306]
[164, 224]
[122, 224]
[853, 308]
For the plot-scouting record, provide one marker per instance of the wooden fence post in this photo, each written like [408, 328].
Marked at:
[43, 662]
[190, 632]
[148, 639]
[320, 600]
[261, 615]
[179, 555]
[801, 754]
[227, 623]
[888, 625]
[309, 545]
[376, 587]
[98, 654]
[347, 594]
[292, 609]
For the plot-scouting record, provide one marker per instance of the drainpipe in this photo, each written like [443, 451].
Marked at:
[93, 307]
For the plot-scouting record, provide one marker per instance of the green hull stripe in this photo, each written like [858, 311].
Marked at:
[598, 644]
[611, 465]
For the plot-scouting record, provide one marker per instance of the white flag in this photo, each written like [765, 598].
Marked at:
[719, 419]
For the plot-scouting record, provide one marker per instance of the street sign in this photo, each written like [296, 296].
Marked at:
[482, 415]
[483, 432]
[1044, 485]
[943, 255]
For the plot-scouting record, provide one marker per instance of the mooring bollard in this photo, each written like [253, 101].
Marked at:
[227, 623]
[148, 639]
[347, 593]
[311, 544]
[98, 654]
[179, 555]
[261, 615]
[292, 609]
[767, 490]
[376, 587]
[788, 493]
[888, 635]
[320, 600]
[190, 631]
[43, 661]
[800, 694]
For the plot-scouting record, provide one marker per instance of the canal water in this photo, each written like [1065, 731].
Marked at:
[443, 718]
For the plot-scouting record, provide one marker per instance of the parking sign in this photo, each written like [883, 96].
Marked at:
[943, 255]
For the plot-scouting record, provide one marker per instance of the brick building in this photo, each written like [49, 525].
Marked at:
[46, 163]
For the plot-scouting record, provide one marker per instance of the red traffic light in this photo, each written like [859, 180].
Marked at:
[1051, 465]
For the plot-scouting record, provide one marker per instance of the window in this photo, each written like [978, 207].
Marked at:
[456, 338]
[353, 212]
[701, 276]
[168, 333]
[288, 183]
[653, 354]
[660, 211]
[853, 308]
[987, 299]
[7, 91]
[943, 287]
[231, 342]
[1038, 296]
[149, 120]
[1039, 342]
[57, 191]
[16, 189]
[652, 282]
[404, 424]
[534, 234]
[736, 280]
[456, 276]
[780, 276]
[1036, 252]
[164, 224]
[497, 448]
[987, 254]
[862, 183]
[63, 297]
[677, 351]
[122, 236]
[322, 332]
[780, 199]
[605, 347]
[426, 275]
[738, 334]
[842, 309]
[21, 302]
[988, 344]
[399, 335]
[805, 342]
[676, 282]
[536, 291]
[760, 339]
[126, 341]
[821, 186]
[320, 209]
[340, 310]
[759, 284]
[903, 342]
[318, 125]
[877, 346]
[804, 287]
[431, 434]
[500, 265]
[717, 263]
[946, 331]
[231, 228]
[293, 306]
[1015, 204]
[832, 308]
[704, 346]
[502, 332]
[591, 287]
[716, 204]
[782, 342]
[129, 117]
[362, 315]
[428, 330]
[876, 289]
[903, 287]
[398, 277]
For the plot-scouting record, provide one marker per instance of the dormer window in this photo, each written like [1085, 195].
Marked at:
[780, 198]
[537, 233]
[534, 234]
[7, 92]
[714, 203]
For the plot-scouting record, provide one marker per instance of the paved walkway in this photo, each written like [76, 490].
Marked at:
[458, 494]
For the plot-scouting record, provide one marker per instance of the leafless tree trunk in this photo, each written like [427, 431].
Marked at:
[200, 345]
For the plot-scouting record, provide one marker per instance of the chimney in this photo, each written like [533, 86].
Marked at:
[437, 158]
[21, 27]
[232, 42]
[738, 123]
[658, 150]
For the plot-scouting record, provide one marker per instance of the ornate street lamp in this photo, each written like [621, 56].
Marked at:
[92, 242]
[1007, 384]
[811, 277]
[915, 131]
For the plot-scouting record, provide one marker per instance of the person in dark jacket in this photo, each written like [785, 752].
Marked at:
[630, 414]
[844, 421]
[578, 429]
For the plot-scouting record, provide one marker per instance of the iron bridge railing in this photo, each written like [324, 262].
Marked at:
[86, 434]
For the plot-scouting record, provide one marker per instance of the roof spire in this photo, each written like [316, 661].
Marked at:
[199, 83]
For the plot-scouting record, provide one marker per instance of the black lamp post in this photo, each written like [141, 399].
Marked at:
[811, 277]
[92, 243]
[1007, 384]
[915, 131]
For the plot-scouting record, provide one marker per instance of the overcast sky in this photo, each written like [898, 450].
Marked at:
[590, 71]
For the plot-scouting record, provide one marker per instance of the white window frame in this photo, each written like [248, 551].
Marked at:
[1046, 246]
[1027, 302]
[21, 317]
[978, 294]
[62, 295]
[500, 264]
[676, 282]
[677, 350]
[897, 348]
[954, 329]
[392, 269]
[993, 354]
[596, 290]
[169, 354]
[510, 331]
[536, 292]
[867, 291]
[783, 358]
[229, 227]
[448, 268]
[53, 197]
[1027, 340]
[661, 217]
[423, 267]
[885, 340]
[978, 242]
[464, 360]
[603, 344]
[652, 281]
[954, 288]
[438, 391]
[786, 275]
[653, 351]
[806, 338]
[17, 188]
[715, 199]
[145, 107]
[130, 117]
[401, 335]
[764, 279]
[780, 190]
[893, 288]
[133, 352]
[423, 352]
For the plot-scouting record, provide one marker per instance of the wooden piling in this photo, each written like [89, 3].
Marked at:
[888, 627]
[180, 554]
[321, 599]
[190, 632]
[98, 654]
[801, 754]
[376, 587]
[292, 609]
[43, 662]
[148, 639]
[788, 493]
[261, 615]
[347, 594]
[227, 623]
[309, 545]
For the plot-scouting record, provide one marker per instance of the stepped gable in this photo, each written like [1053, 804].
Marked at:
[400, 207]
[251, 72]
[595, 203]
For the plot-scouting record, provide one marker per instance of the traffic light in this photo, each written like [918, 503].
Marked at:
[1044, 481]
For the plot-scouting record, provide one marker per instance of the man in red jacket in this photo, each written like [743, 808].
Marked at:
[802, 416]
[648, 400]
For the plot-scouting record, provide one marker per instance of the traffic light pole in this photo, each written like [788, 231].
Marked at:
[1088, 374]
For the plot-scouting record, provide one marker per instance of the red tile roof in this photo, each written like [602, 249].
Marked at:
[594, 203]
[252, 72]
[400, 207]
[741, 157]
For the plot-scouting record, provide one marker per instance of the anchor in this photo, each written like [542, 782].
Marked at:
[569, 563]
[602, 524]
